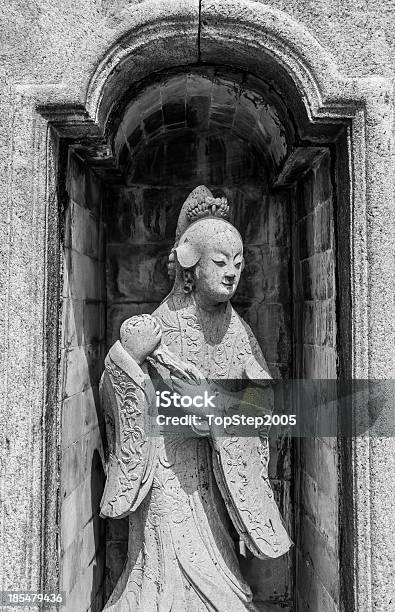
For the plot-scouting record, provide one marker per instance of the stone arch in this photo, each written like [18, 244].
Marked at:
[150, 37]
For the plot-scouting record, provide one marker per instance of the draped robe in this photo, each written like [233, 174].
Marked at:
[182, 490]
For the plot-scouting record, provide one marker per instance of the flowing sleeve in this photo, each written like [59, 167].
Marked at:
[240, 469]
[240, 463]
[126, 395]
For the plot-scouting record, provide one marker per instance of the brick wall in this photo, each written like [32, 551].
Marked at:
[315, 357]
[83, 332]
[141, 220]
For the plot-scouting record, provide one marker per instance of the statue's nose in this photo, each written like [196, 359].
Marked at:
[229, 276]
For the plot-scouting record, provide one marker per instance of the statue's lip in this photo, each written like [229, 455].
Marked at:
[228, 284]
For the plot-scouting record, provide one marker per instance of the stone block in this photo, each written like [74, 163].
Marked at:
[305, 195]
[66, 272]
[76, 179]
[92, 540]
[319, 362]
[93, 193]
[265, 277]
[170, 160]
[79, 415]
[90, 404]
[279, 220]
[84, 231]
[73, 426]
[270, 581]
[309, 496]
[322, 186]
[319, 323]
[312, 595]
[153, 121]
[144, 214]
[323, 227]
[280, 464]
[249, 208]
[86, 277]
[83, 366]
[327, 470]
[305, 229]
[243, 165]
[138, 273]
[323, 559]
[78, 508]
[271, 324]
[72, 322]
[76, 460]
[80, 598]
[318, 276]
[161, 208]
[71, 565]
[307, 458]
[264, 606]
[71, 516]
[327, 518]
[75, 371]
[198, 106]
[174, 113]
[94, 322]
[282, 495]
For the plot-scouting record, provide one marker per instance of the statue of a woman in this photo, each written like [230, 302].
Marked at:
[183, 491]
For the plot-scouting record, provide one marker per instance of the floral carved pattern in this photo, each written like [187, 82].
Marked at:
[132, 437]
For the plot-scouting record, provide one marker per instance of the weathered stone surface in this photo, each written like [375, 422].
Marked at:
[324, 560]
[208, 268]
[82, 231]
[316, 344]
[118, 313]
[265, 276]
[143, 214]
[138, 273]
[272, 325]
[50, 56]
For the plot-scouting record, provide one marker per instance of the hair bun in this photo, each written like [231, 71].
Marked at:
[209, 206]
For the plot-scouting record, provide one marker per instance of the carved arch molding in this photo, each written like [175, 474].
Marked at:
[151, 37]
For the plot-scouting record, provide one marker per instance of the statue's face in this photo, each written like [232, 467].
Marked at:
[217, 273]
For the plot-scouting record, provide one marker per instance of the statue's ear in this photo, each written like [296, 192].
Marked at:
[187, 255]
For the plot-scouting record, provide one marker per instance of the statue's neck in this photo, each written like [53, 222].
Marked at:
[216, 307]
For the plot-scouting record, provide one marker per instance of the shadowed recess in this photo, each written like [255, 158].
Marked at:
[179, 106]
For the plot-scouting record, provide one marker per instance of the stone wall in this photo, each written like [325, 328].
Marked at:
[141, 221]
[82, 352]
[316, 457]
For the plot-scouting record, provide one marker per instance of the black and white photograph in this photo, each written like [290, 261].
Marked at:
[197, 397]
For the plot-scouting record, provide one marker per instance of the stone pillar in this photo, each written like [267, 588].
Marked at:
[29, 272]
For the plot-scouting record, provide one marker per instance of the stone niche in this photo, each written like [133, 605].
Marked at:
[235, 134]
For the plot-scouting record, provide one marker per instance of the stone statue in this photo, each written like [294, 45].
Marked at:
[183, 492]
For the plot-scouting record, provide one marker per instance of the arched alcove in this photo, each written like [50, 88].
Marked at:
[237, 134]
[206, 126]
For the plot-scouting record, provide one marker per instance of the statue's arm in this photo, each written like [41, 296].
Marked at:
[126, 405]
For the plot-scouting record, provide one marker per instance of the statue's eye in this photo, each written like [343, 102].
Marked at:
[238, 265]
[219, 262]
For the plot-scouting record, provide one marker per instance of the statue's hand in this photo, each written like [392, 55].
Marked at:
[203, 396]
